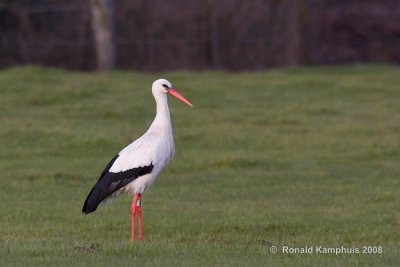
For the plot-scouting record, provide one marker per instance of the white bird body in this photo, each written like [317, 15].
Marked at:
[137, 166]
[155, 147]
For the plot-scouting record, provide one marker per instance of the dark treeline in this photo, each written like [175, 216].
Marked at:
[151, 35]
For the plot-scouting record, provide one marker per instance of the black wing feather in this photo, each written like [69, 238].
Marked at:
[110, 182]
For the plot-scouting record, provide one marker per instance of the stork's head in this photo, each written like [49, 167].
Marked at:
[162, 86]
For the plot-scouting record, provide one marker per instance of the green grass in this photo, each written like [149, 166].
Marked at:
[297, 157]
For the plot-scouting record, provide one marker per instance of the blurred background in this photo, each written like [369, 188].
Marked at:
[150, 35]
[298, 156]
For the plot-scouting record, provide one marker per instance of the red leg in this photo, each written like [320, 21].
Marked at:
[139, 213]
[136, 210]
[133, 213]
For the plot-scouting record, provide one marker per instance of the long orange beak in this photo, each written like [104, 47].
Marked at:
[172, 92]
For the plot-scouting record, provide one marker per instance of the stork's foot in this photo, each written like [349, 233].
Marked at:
[136, 209]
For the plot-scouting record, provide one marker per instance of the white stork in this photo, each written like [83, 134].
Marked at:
[136, 167]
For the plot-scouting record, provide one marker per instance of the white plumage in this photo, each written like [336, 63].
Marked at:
[155, 147]
[136, 167]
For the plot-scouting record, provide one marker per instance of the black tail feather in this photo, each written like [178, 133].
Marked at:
[109, 183]
[91, 203]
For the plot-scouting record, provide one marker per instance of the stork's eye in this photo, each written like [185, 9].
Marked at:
[165, 86]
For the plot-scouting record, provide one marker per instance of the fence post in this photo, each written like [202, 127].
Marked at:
[102, 21]
[214, 34]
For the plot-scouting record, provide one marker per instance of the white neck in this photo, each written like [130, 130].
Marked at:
[162, 127]
[162, 121]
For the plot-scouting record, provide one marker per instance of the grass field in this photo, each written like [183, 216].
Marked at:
[295, 157]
